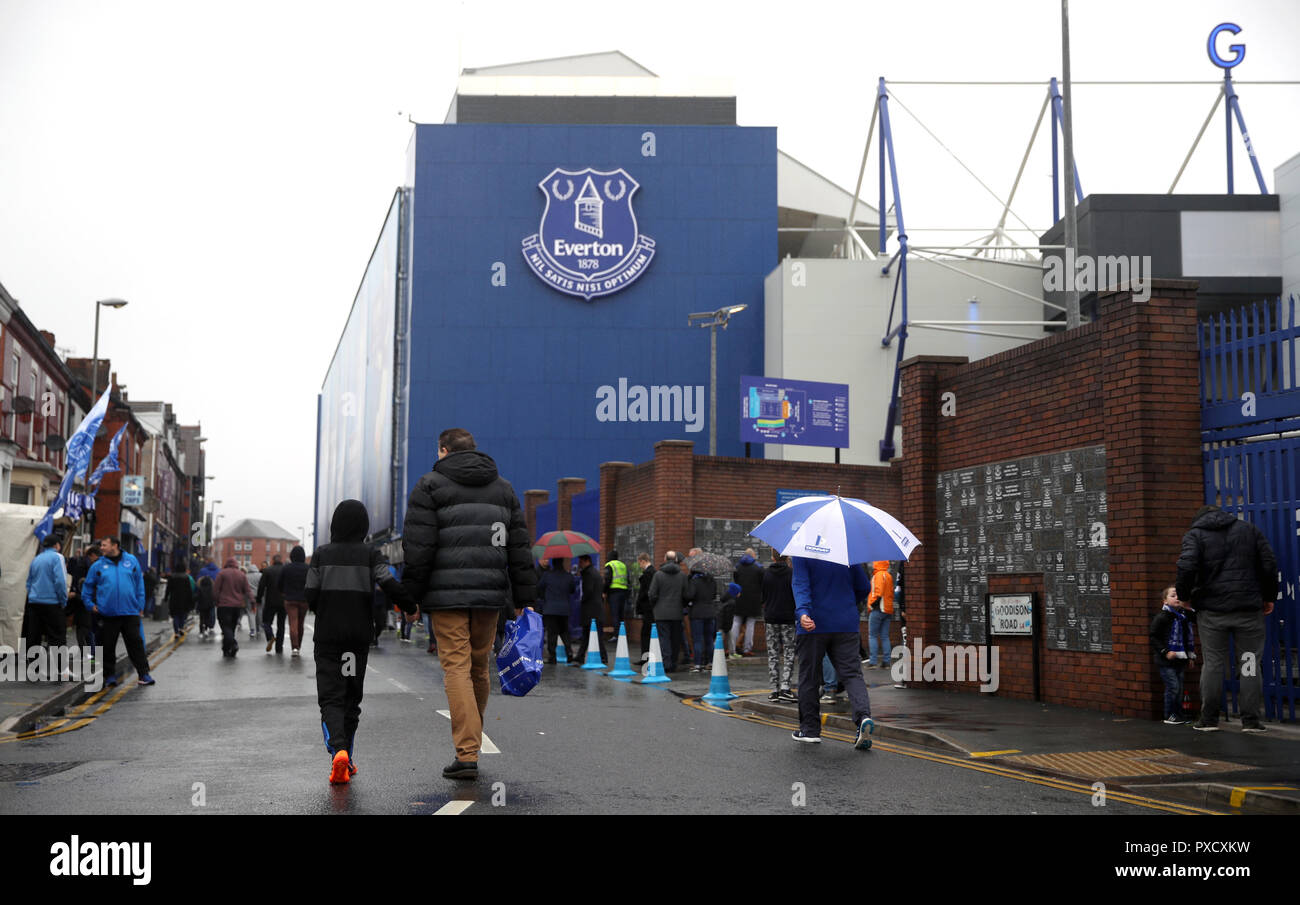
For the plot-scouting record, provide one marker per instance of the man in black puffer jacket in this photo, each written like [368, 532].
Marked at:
[339, 580]
[1228, 573]
[466, 550]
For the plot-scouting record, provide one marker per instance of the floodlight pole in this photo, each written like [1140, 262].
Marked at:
[713, 388]
[1067, 131]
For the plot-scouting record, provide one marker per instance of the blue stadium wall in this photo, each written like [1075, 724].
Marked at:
[520, 364]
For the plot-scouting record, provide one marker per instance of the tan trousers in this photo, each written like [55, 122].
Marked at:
[297, 612]
[464, 651]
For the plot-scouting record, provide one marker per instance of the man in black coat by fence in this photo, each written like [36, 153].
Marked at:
[1228, 573]
[466, 551]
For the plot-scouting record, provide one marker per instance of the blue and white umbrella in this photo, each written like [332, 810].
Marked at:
[836, 529]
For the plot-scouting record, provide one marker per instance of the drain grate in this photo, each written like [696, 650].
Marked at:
[28, 772]
[1135, 762]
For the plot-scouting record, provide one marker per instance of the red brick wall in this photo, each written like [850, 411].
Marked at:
[533, 499]
[634, 491]
[1128, 382]
[568, 489]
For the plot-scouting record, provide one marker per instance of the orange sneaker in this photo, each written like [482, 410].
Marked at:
[352, 768]
[339, 772]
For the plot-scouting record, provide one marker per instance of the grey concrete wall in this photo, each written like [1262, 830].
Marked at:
[1286, 182]
[825, 319]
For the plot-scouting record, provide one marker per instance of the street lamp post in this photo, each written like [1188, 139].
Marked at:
[94, 362]
[713, 320]
[94, 374]
[212, 518]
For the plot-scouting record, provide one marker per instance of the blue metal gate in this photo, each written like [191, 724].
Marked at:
[1250, 433]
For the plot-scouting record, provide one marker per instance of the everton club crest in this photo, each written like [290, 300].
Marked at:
[588, 243]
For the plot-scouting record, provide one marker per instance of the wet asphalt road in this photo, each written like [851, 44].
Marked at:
[243, 736]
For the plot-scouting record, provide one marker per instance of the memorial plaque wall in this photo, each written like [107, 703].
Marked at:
[1037, 514]
[632, 540]
[729, 538]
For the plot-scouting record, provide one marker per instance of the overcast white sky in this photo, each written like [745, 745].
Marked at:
[227, 167]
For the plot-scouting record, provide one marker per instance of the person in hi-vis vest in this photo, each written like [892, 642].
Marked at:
[615, 589]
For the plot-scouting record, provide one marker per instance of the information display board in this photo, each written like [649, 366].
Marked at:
[798, 412]
[1043, 514]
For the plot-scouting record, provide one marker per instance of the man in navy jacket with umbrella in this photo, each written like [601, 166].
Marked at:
[826, 596]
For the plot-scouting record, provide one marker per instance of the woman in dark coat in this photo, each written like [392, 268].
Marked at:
[179, 598]
[749, 603]
[206, 602]
[553, 591]
[292, 584]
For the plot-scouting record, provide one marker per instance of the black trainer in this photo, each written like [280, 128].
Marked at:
[459, 769]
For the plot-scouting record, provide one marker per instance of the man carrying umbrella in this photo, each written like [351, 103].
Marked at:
[828, 538]
[826, 598]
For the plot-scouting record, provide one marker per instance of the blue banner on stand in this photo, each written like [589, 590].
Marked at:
[80, 447]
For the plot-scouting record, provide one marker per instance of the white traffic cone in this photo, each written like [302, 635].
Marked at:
[655, 668]
[622, 664]
[593, 660]
[719, 684]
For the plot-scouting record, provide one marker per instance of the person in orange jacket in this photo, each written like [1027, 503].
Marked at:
[881, 606]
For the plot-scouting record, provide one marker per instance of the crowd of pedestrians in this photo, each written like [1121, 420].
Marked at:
[459, 576]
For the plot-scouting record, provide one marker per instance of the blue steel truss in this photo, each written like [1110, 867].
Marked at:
[899, 331]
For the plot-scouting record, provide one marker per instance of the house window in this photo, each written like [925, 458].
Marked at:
[21, 494]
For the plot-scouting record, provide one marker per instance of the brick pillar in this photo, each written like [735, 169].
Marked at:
[609, 472]
[568, 488]
[922, 383]
[674, 495]
[1153, 468]
[533, 499]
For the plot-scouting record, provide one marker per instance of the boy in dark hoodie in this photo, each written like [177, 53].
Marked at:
[338, 591]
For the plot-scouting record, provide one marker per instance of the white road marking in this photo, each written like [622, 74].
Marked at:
[489, 747]
[452, 808]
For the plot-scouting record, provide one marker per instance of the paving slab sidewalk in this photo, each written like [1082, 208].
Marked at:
[1259, 772]
[24, 704]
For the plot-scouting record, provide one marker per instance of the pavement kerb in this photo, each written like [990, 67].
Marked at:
[921, 737]
[1222, 794]
[61, 700]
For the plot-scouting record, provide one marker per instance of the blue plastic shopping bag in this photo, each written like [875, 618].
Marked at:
[519, 664]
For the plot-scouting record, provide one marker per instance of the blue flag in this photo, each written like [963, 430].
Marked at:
[78, 460]
[110, 462]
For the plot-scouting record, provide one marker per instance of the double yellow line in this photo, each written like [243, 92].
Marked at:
[105, 698]
[1062, 785]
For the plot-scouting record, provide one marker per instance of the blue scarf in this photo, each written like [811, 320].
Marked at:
[1181, 632]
